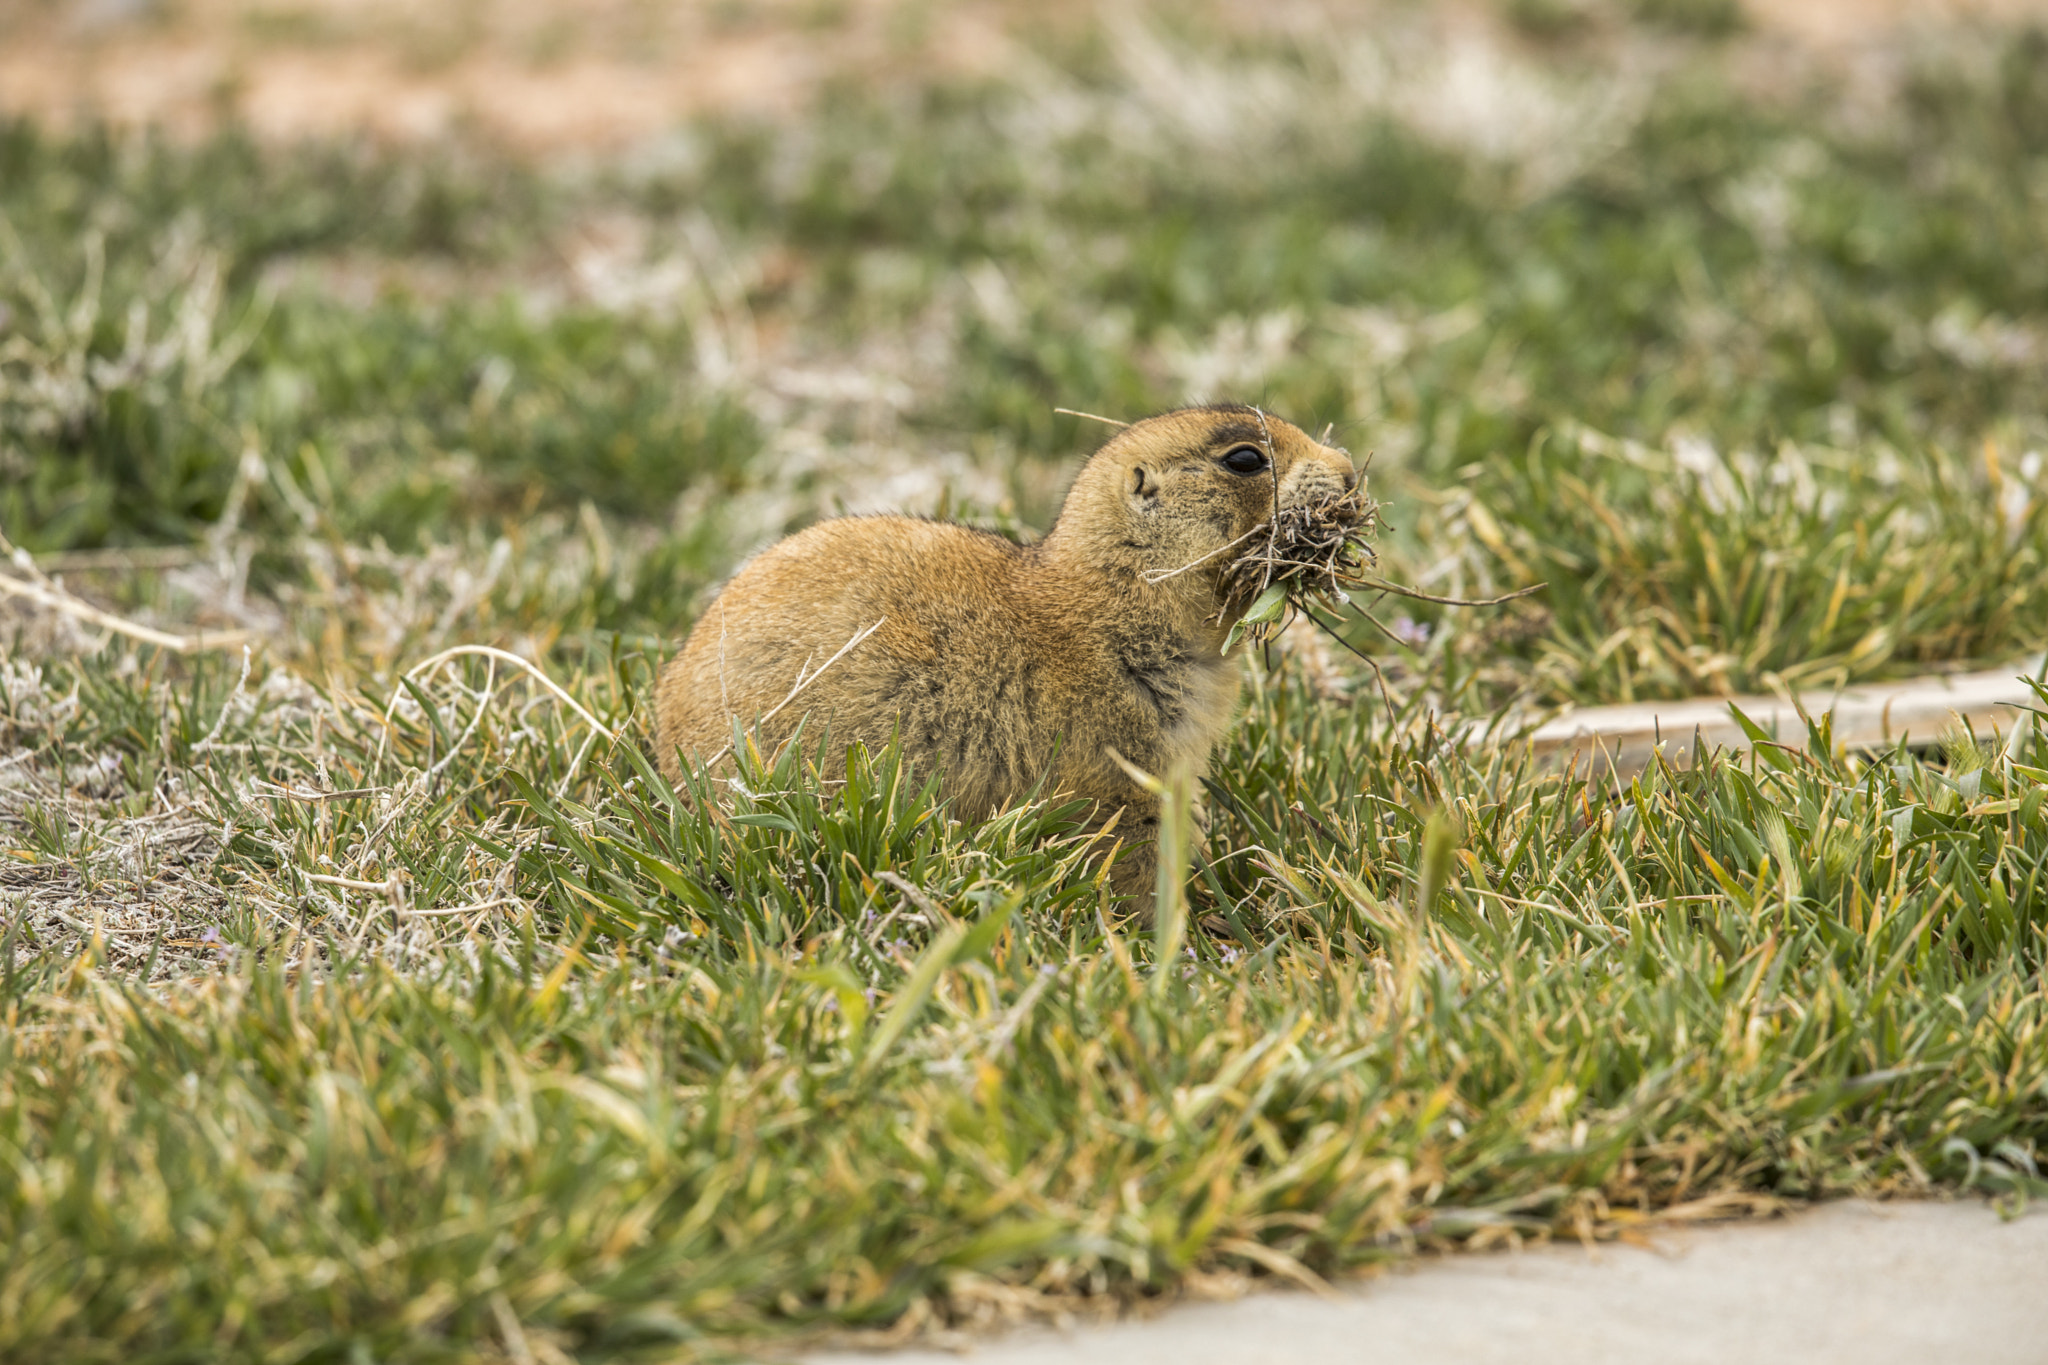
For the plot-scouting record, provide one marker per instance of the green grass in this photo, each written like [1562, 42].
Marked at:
[720, 1074]
[355, 1009]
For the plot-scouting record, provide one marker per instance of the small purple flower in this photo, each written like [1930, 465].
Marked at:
[1409, 631]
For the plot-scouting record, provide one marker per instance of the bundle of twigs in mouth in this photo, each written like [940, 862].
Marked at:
[1305, 557]
[1307, 552]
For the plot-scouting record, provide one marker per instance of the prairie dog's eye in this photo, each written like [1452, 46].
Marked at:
[1245, 460]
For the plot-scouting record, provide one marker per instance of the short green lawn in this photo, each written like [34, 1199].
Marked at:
[359, 1005]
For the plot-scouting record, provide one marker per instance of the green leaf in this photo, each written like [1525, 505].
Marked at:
[980, 940]
[1268, 605]
[846, 988]
[912, 994]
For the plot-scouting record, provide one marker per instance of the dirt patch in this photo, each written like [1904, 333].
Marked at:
[554, 76]
[1842, 22]
[541, 75]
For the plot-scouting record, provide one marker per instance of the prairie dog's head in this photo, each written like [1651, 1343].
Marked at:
[1171, 489]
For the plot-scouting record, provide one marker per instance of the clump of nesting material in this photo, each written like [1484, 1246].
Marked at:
[1303, 555]
[1306, 556]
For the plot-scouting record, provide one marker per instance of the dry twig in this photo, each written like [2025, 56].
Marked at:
[1075, 412]
[49, 595]
[1381, 585]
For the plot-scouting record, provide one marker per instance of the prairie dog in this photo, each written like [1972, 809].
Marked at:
[1005, 664]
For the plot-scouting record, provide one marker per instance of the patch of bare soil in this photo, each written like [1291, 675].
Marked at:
[139, 884]
[1842, 22]
[554, 76]
[539, 75]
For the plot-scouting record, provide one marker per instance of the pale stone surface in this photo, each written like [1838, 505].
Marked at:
[1865, 717]
[1846, 1284]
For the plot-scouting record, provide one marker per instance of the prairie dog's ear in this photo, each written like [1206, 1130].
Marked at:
[1143, 483]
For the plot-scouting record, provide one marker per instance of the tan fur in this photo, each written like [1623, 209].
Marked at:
[1005, 664]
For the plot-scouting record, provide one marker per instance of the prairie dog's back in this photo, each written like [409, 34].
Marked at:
[955, 643]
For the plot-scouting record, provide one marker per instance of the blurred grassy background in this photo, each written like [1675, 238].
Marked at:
[1802, 289]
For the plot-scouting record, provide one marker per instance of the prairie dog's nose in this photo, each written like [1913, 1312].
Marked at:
[1319, 478]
